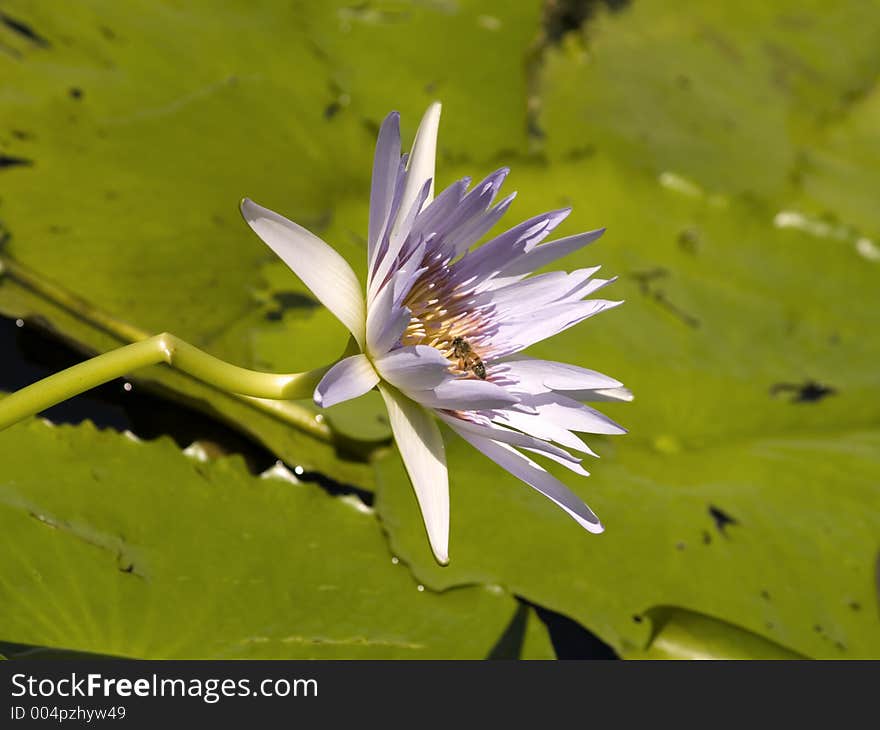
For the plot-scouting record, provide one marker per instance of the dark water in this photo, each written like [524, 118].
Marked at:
[29, 353]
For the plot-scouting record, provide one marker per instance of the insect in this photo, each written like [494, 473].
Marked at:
[467, 358]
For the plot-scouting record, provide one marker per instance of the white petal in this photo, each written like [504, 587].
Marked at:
[456, 394]
[541, 427]
[588, 288]
[528, 298]
[603, 394]
[574, 466]
[495, 432]
[385, 322]
[321, 269]
[569, 414]
[420, 167]
[385, 165]
[413, 368]
[421, 448]
[347, 379]
[537, 477]
[599, 395]
[517, 334]
[539, 376]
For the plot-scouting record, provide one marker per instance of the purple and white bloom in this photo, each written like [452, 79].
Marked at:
[442, 326]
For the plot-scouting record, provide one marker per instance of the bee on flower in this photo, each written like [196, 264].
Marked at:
[442, 325]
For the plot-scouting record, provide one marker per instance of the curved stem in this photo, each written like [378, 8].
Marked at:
[164, 348]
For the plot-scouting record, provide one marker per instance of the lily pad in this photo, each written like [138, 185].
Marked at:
[141, 551]
[682, 634]
[137, 131]
[840, 176]
[743, 504]
[309, 444]
[763, 535]
[728, 95]
[751, 466]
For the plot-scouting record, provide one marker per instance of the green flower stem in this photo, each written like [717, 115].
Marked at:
[286, 411]
[164, 348]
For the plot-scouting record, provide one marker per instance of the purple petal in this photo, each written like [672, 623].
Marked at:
[468, 217]
[456, 394]
[528, 296]
[413, 368]
[541, 427]
[347, 379]
[517, 334]
[409, 272]
[386, 321]
[523, 468]
[433, 217]
[547, 252]
[385, 167]
[494, 255]
[540, 376]
[495, 432]
[568, 413]
[469, 234]
[381, 249]
[386, 267]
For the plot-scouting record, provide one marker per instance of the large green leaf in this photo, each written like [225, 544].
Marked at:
[727, 94]
[308, 444]
[840, 176]
[730, 150]
[137, 550]
[752, 364]
[751, 353]
[794, 565]
[131, 134]
[680, 634]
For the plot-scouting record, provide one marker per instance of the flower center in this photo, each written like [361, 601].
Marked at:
[444, 317]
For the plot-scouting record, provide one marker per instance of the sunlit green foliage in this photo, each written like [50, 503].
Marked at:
[732, 151]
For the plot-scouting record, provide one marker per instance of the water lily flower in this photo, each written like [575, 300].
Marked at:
[442, 325]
